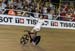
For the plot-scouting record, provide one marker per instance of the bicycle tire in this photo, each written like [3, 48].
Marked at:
[24, 39]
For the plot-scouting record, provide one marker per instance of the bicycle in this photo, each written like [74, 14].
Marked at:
[26, 38]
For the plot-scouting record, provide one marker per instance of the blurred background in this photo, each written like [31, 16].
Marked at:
[51, 9]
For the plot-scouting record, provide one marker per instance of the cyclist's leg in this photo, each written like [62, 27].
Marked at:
[34, 39]
[37, 40]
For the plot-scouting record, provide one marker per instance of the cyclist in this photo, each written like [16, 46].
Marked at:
[35, 30]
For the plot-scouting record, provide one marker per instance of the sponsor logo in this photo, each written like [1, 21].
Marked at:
[19, 20]
[31, 21]
[34, 22]
[6, 19]
[54, 23]
[67, 24]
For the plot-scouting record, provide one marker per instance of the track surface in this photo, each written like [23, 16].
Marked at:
[52, 39]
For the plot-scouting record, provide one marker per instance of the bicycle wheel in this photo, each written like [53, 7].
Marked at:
[24, 39]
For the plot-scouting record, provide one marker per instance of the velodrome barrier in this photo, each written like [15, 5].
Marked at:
[27, 21]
